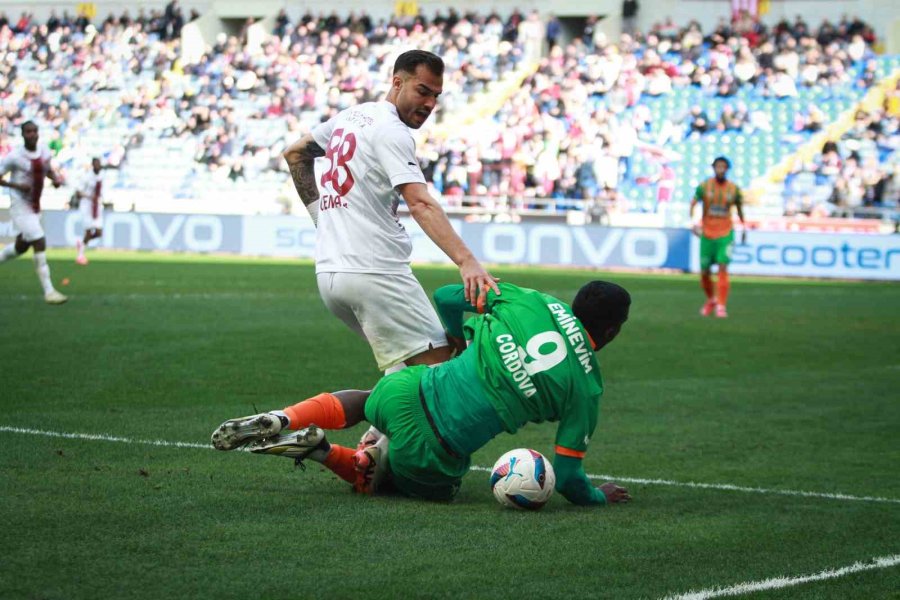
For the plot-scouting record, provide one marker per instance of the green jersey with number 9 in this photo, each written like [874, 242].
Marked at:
[534, 361]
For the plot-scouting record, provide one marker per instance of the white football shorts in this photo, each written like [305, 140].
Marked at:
[28, 223]
[390, 311]
[88, 220]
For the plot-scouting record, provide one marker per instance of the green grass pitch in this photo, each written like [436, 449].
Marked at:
[797, 390]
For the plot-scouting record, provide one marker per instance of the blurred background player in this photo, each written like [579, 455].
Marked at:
[532, 358]
[367, 155]
[717, 195]
[90, 203]
[664, 178]
[27, 167]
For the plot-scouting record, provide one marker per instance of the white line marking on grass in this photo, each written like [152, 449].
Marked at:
[737, 488]
[99, 437]
[155, 296]
[882, 562]
[732, 488]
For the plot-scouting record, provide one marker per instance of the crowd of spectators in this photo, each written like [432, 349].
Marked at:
[72, 74]
[166, 24]
[856, 174]
[573, 130]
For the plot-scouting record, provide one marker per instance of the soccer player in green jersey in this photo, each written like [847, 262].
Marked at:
[531, 358]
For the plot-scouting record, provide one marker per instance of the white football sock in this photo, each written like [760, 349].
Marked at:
[43, 271]
[8, 253]
[282, 416]
[79, 245]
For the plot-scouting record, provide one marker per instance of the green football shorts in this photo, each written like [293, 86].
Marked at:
[420, 467]
[716, 251]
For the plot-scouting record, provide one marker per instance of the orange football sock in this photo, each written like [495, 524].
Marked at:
[707, 285]
[340, 460]
[724, 287]
[325, 410]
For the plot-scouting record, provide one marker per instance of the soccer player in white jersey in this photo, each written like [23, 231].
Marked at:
[90, 196]
[27, 167]
[364, 157]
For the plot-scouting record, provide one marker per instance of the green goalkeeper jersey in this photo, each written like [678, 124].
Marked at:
[531, 361]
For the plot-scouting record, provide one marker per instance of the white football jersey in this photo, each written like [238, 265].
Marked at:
[89, 186]
[91, 206]
[18, 164]
[368, 152]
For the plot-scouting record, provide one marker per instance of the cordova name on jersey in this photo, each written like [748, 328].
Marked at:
[513, 356]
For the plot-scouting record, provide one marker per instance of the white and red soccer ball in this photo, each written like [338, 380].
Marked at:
[523, 478]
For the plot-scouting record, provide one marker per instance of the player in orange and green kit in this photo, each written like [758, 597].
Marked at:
[531, 358]
[717, 195]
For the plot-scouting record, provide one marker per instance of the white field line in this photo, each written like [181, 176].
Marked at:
[732, 488]
[99, 437]
[882, 562]
[168, 296]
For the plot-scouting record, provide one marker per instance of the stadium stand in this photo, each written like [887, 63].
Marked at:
[853, 176]
[594, 125]
[684, 97]
[215, 129]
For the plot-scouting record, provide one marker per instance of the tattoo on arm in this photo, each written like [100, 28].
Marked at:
[303, 174]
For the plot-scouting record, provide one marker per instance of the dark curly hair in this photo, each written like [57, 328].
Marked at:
[600, 305]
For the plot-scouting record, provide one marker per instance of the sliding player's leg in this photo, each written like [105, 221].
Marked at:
[297, 431]
[330, 411]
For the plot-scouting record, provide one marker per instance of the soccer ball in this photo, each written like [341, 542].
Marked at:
[523, 478]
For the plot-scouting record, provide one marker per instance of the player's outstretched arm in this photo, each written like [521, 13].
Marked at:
[434, 222]
[572, 483]
[300, 157]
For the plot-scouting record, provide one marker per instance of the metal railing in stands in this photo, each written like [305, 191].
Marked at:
[492, 205]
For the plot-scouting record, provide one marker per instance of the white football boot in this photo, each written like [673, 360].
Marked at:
[54, 297]
[294, 444]
[235, 433]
